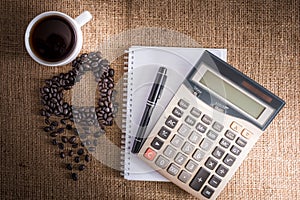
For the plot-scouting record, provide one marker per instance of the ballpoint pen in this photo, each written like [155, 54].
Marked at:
[154, 95]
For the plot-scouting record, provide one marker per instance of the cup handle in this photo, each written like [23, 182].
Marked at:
[83, 18]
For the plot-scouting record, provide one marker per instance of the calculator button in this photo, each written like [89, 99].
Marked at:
[217, 126]
[195, 112]
[191, 166]
[205, 144]
[236, 151]
[200, 127]
[230, 135]
[177, 112]
[157, 143]
[212, 135]
[164, 132]
[150, 154]
[211, 163]
[184, 130]
[222, 170]
[247, 134]
[183, 104]
[173, 169]
[171, 122]
[195, 137]
[214, 181]
[180, 158]
[218, 153]
[218, 108]
[188, 148]
[224, 143]
[169, 151]
[198, 155]
[177, 141]
[236, 127]
[162, 162]
[229, 160]
[199, 179]
[190, 121]
[207, 192]
[241, 142]
[206, 119]
[184, 176]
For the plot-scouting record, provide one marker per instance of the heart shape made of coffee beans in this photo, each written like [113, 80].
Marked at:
[64, 122]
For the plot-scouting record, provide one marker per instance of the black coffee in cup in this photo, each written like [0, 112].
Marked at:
[52, 38]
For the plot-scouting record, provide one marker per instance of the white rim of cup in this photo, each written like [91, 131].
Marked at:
[76, 50]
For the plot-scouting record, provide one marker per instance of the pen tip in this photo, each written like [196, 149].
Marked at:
[162, 70]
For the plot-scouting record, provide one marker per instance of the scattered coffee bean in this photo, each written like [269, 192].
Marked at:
[74, 176]
[72, 140]
[69, 166]
[47, 121]
[80, 151]
[71, 153]
[81, 167]
[75, 145]
[53, 134]
[64, 139]
[63, 121]
[54, 123]
[47, 128]
[77, 159]
[87, 158]
[62, 155]
[61, 146]
[54, 142]
[60, 130]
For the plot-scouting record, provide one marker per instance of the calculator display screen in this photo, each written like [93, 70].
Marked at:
[232, 94]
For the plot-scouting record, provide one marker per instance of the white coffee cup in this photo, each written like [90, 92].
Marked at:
[76, 24]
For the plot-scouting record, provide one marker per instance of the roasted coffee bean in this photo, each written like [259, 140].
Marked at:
[47, 128]
[75, 145]
[71, 153]
[69, 127]
[74, 176]
[54, 123]
[61, 146]
[63, 121]
[53, 134]
[111, 72]
[64, 139]
[72, 140]
[87, 158]
[80, 151]
[62, 155]
[81, 167]
[77, 159]
[60, 130]
[69, 166]
[54, 142]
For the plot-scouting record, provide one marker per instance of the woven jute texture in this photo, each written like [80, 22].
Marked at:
[263, 41]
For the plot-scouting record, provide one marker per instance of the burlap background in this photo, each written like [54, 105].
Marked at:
[262, 38]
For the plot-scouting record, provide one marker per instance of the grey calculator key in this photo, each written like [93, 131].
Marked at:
[191, 166]
[214, 181]
[224, 143]
[164, 132]
[171, 122]
[173, 169]
[205, 144]
[169, 151]
[180, 158]
[212, 135]
[195, 137]
[236, 151]
[229, 160]
[206, 119]
[183, 104]
[184, 130]
[177, 141]
[195, 112]
[198, 155]
[184, 176]
[177, 112]
[218, 152]
[241, 142]
[188, 148]
[222, 170]
[162, 162]
[207, 192]
[201, 128]
[211, 163]
[230, 135]
[199, 179]
[190, 121]
[217, 126]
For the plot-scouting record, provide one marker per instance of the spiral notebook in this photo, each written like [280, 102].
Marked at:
[142, 63]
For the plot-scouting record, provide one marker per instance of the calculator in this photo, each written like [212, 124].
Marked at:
[209, 126]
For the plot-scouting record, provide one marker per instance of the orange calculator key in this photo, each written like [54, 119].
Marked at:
[150, 154]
